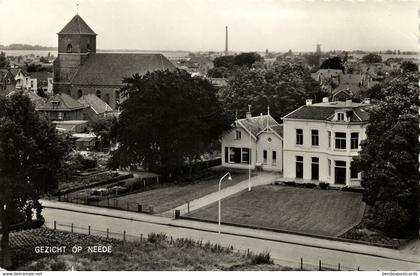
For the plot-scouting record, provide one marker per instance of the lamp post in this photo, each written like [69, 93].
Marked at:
[249, 163]
[220, 197]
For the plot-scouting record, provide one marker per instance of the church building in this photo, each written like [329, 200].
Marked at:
[79, 70]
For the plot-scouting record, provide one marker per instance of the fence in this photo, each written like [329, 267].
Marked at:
[119, 204]
[299, 264]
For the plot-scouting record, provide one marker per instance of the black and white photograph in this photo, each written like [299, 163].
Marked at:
[209, 135]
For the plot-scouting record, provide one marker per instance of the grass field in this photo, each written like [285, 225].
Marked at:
[312, 211]
[157, 253]
[168, 196]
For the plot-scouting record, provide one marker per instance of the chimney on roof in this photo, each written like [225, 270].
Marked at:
[248, 114]
[325, 100]
[268, 114]
[309, 102]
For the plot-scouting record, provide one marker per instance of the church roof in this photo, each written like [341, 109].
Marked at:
[77, 26]
[111, 69]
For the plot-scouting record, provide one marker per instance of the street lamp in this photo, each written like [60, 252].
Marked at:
[220, 196]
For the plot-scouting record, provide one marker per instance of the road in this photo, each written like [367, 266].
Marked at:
[263, 178]
[285, 249]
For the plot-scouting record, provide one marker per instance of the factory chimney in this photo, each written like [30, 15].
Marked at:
[226, 42]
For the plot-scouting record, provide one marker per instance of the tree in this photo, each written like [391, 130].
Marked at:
[372, 58]
[103, 127]
[284, 88]
[4, 62]
[224, 61]
[389, 160]
[247, 59]
[30, 157]
[409, 66]
[333, 63]
[180, 120]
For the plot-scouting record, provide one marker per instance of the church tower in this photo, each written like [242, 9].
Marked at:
[75, 42]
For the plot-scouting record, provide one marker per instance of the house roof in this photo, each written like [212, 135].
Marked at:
[258, 123]
[110, 69]
[94, 102]
[42, 76]
[65, 103]
[325, 111]
[77, 26]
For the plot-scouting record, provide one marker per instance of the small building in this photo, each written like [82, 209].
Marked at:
[95, 107]
[320, 141]
[7, 82]
[71, 127]
[84, 141]
[255, 142]
[61, 107]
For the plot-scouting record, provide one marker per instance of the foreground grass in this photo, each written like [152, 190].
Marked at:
[158, 253]
[168, 196]
[312, 211]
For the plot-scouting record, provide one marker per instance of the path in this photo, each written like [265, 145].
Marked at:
[286, 249]
[262, 178]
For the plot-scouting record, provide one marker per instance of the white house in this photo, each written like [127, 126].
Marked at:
[320, 140]
[255, 141]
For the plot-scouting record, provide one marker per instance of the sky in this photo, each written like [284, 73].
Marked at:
[199, 25]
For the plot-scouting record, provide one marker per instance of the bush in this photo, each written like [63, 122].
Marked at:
[261, 258]
[324, 185]
[309, 185]
[156, 237]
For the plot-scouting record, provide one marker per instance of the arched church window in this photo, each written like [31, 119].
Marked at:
[98, 94]
[79, 93]
[69, 48]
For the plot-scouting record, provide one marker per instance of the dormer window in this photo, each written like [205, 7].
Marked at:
[340, 116]
[55, 103]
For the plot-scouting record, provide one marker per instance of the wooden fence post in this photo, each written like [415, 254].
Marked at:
[89, 230]
[107, 233]
[301, 263]
[124, 236]
[72, 227]
[339, 268]
[141, 237]
[188, 203]
[358, 268]
[320, 266]
[55, 225]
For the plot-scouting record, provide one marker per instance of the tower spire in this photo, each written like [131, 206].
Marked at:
[268, 114]
[77, 8]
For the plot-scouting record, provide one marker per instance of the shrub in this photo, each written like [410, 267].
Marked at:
[309, 185]
[261, 258]
[324, 185]
[156, 237]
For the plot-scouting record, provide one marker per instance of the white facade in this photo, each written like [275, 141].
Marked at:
[265, 149]
[327, 157]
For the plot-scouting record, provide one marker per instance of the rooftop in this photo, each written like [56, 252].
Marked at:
[111, 69]
[61, 102]
[325, 111]
[97, 104]
[258, 123]
[77, 26]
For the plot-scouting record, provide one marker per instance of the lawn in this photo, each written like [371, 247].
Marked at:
[312, 211]
[168, 196]
[157, 253]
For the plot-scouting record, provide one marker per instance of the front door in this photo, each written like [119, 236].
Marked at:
[340, 172]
